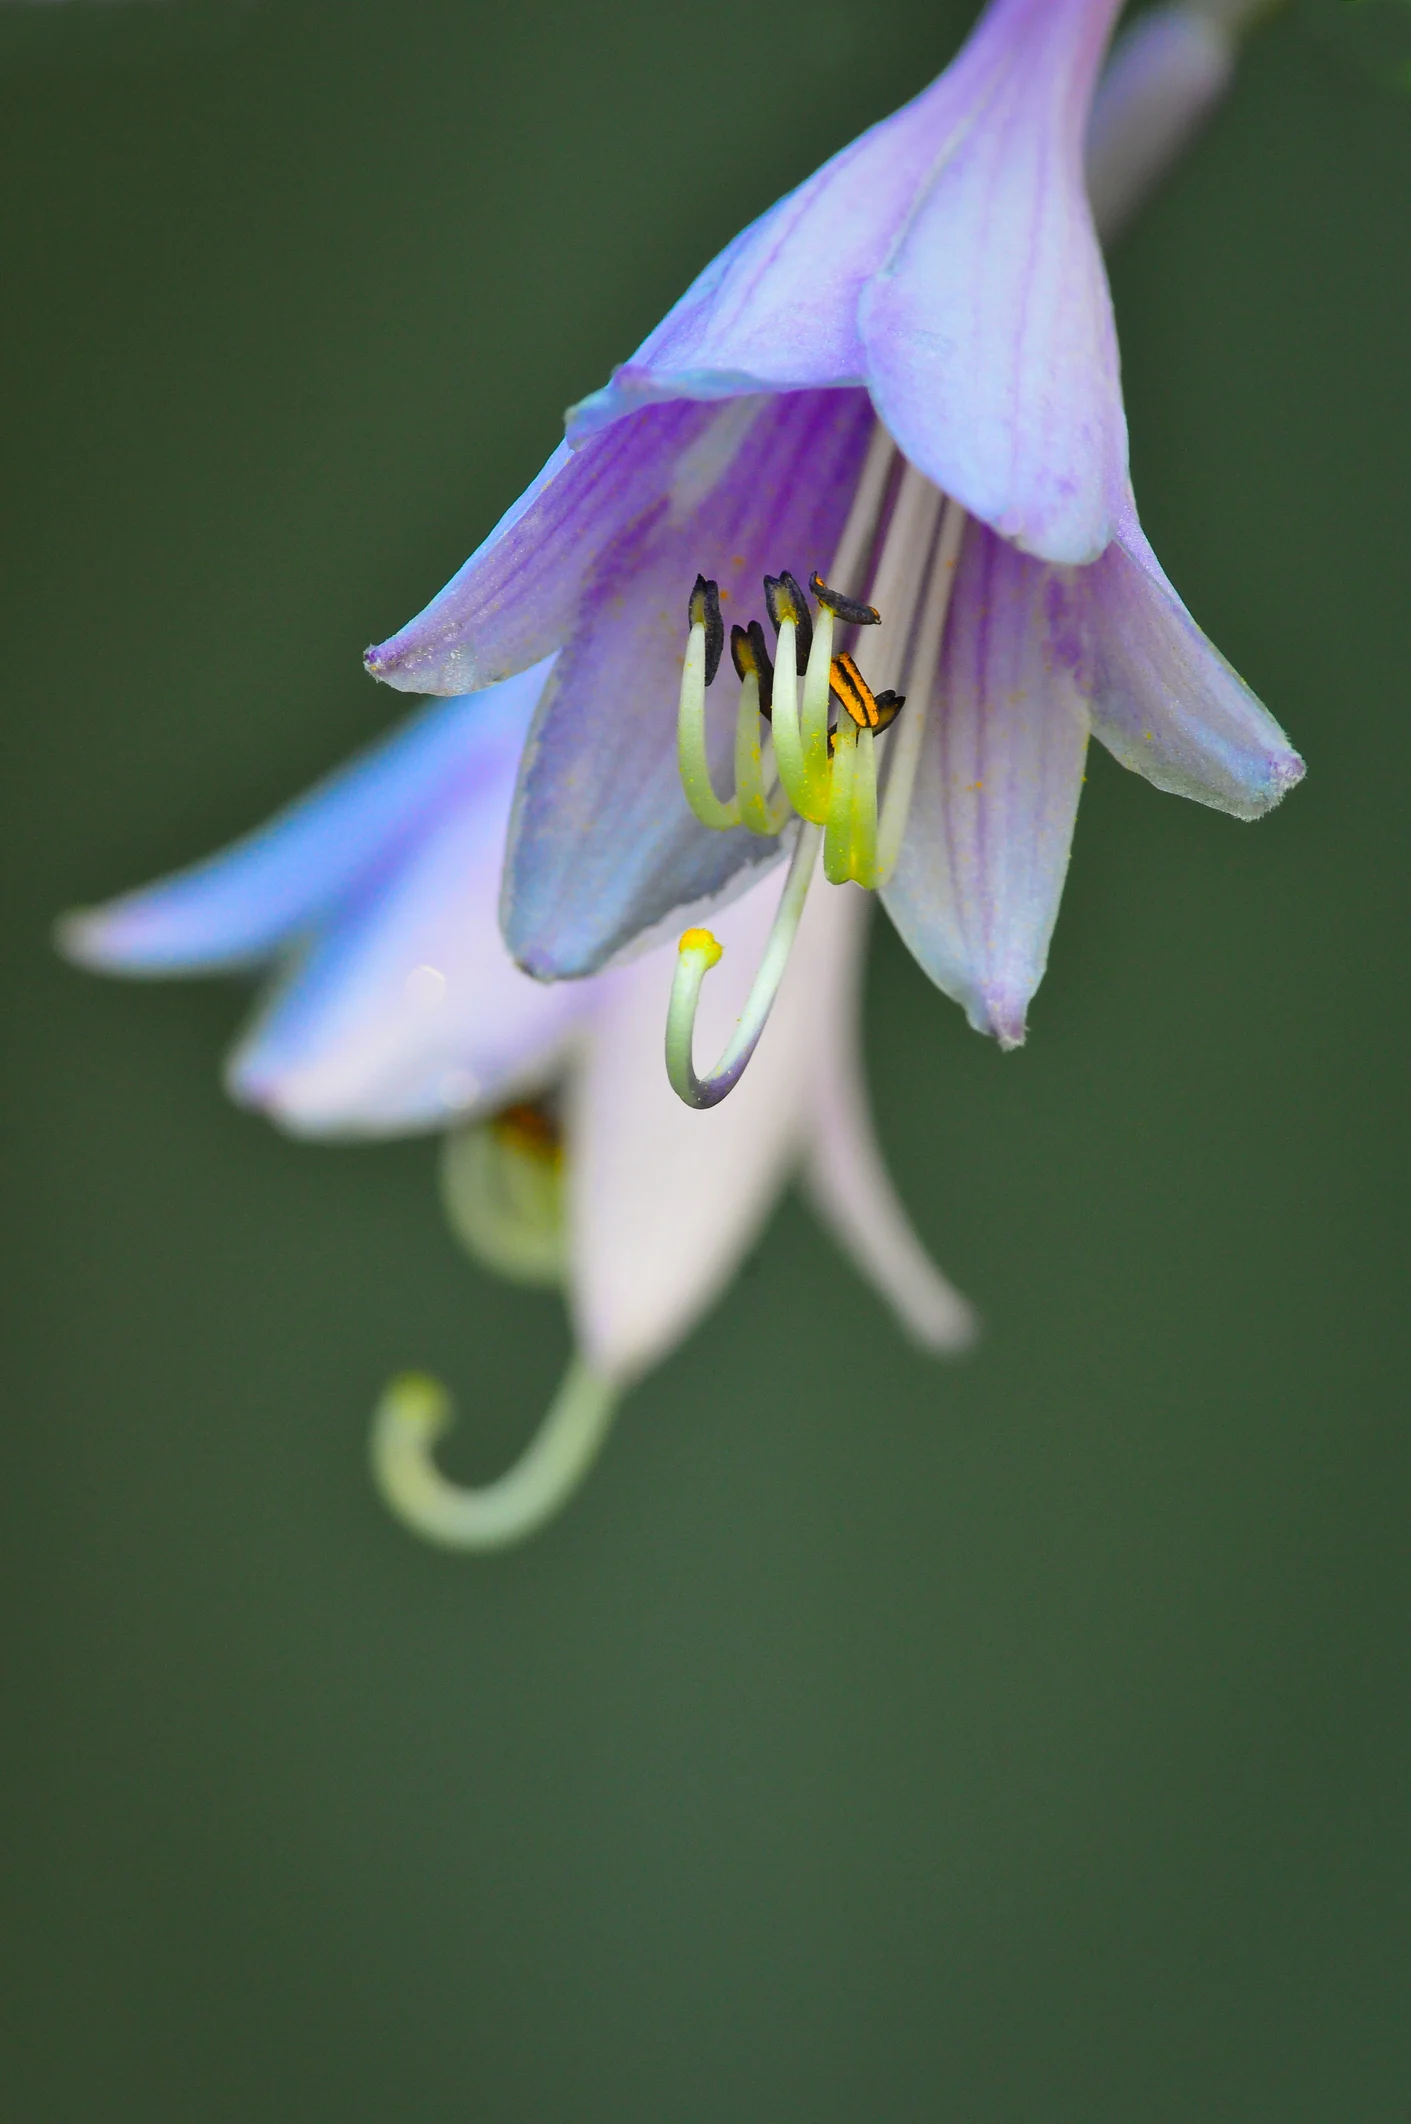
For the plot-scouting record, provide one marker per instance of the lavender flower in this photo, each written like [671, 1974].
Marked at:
[905, 376]
[396, 1007]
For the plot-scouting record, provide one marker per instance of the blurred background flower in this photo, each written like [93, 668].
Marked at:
[1022, 1739]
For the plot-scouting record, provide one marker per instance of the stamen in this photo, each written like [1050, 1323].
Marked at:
[788, 610]
[749, 653]
[849, 610]
[784, 599]
[415, 1411]
[699, 951]
[905, 747]
[813, 721]
[703, 651]
[838, 840]
[751, 660]
[867, 709]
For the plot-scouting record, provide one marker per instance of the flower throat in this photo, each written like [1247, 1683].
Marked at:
[808, 724]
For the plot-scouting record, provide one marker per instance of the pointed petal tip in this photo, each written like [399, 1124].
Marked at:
[1286, 771]
[76, 936]
[100, 940]
[387, 661]
[1002, 1012]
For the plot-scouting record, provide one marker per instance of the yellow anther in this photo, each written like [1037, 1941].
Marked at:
[701, 940]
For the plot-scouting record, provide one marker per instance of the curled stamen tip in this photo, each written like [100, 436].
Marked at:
[701, 941]
[703, 610]
[416, 1402]
[847, 609]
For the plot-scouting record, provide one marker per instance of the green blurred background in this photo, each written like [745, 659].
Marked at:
[1022, 1740]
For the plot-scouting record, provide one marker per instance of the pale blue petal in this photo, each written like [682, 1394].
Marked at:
[242, 905]
[991, 350]
[519, 595]
[603, 846]
[1165, 701]
[976, 892]
[408, 1010]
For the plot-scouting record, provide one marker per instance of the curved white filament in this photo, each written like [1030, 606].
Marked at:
[699, 952]
[415, 1411]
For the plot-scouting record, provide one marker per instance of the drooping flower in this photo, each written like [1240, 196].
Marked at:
[903, 377]
[396, 1007]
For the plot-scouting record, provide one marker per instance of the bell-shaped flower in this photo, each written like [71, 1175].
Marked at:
[395, 1007]
[903, 377]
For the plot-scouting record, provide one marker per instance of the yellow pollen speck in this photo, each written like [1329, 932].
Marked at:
[976, 787]
[1147, 735]
[702, 941]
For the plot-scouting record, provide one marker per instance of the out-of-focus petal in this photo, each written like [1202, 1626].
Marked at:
[520, 594]
[408, 1012]
[845, 1174]
[663, 1200]
[976, 891]
[991, 351]
[1166, 73]
[603, 845]
[1165, 701]
[240, 906]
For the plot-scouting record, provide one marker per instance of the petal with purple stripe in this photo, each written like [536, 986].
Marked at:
[991, 350]
[976, 892]
[603, 846]
[518, 596]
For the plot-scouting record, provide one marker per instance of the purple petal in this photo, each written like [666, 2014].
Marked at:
[1165, 701]
[777, 310]
[976, 891]
[518, 596]
[991, 351]
[409, 1010]
[240, 906]
[603, 846]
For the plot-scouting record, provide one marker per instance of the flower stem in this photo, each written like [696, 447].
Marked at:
[415, 1411]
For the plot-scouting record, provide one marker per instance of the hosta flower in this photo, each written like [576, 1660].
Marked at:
[397, 1007]
[902, 379]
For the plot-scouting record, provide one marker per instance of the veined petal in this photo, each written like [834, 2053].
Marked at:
[408, 1010]
[663, 1200]
[603, 845]
[777, 309]
[238, 907]
[844, 1171]
[518, 596]
[1165, 701]
[991, 351]
[976, 891]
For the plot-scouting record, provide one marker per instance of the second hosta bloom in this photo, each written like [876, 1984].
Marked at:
[904, 377]
[568, 1160]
